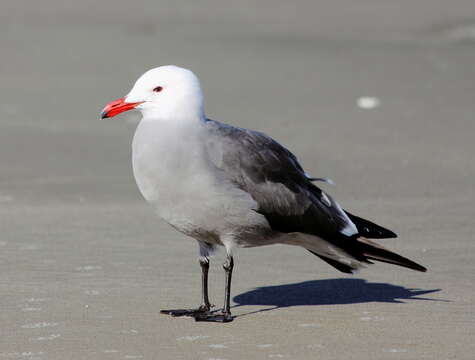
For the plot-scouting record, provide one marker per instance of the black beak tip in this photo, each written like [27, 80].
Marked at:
[104, 115]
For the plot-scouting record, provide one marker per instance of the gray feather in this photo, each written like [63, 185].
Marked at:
[272, 175]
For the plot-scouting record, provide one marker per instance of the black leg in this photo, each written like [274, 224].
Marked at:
[225, 315]
[228, 269]
[204, 263]
[205, 304]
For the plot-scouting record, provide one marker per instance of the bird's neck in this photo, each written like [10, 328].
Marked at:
[185, 109]
[177, 116]
[169, 132]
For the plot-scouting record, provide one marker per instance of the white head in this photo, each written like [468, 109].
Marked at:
[164, 93]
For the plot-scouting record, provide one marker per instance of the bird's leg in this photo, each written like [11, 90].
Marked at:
[205, 304]
[228, 269]
[225, 315]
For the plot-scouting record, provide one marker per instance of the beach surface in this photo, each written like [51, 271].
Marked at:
[376, 95]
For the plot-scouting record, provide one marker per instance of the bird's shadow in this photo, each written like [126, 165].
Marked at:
[328, 292]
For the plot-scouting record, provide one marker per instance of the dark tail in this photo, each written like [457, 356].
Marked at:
[373, 251]
[365, 250]
[361, 248]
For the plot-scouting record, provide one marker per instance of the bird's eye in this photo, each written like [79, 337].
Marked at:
[158, 89]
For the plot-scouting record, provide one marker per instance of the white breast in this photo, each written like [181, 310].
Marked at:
[173, 173]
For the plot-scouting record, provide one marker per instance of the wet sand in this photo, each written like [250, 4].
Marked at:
[85, 266]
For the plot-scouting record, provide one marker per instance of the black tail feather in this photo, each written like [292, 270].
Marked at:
[376, 252]
[364, 250]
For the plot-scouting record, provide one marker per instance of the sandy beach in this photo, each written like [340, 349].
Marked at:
[376, 95]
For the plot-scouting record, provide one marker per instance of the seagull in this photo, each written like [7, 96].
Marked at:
[232, 187]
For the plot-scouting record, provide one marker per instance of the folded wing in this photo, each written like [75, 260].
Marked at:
[289, 200]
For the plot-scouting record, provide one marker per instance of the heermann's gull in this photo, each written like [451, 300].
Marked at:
[233, 187]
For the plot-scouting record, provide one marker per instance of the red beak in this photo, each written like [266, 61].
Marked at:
[118, 106]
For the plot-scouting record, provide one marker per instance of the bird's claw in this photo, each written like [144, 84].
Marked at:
[214, 317]
[187, 312]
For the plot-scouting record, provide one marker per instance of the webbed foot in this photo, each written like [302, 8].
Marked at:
[220, 317]
[202, 310]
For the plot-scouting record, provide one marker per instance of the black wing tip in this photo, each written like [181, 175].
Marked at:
[393, 259]
[388, 234]
[420, 268]
[390, 257]
[369, 229]
[376, 233]
[412, 265]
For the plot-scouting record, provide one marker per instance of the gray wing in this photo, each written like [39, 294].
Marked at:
[290, 202]
[273, 177]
